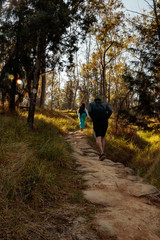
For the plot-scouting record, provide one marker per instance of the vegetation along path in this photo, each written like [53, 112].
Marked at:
[127, 207]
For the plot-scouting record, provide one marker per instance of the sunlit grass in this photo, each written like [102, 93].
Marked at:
[36, 171]
[151, 137]
[62, 120]
[135, 148]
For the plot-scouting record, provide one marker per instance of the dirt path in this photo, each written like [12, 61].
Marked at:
[129, 208]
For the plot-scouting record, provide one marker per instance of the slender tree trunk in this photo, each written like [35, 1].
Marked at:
[13, 85]
[12, 95]
[14, 64]
[29, 77]
[75, 91]
[43, 91]
[43, 85]
[35, 88]
[101, 84]
[76, 80]
[59, 90]
[104, 78]
[52, 85]
[3, 100]
[88, 53]
[109, 87]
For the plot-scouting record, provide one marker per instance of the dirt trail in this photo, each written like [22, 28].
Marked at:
[130, 208]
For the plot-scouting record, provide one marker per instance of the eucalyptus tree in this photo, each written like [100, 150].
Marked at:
[84, 87]
[37, 32]
[68, 95]
[144, 72]
[53, 91]
[72, 86]
[109, 36]
[108, 42]
[57, 26]
[13, 48]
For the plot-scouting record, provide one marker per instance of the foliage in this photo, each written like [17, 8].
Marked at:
[34, 164]
[36, 32]
[121, 54]
[108, 33]
[143, 73]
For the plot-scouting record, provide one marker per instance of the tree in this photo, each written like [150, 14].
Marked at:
[13, 58]
[53, 89]
[69, 94]
[108, 37]
[65, 13]
[40, 31]
[43, 83]
[146, 51]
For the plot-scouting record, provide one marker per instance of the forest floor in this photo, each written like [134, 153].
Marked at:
[127, 207]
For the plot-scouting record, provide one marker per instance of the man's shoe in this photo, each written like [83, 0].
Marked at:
[102, 157]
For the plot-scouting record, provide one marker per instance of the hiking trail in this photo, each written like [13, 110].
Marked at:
[129, 208]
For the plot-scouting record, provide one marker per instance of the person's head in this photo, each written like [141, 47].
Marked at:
[83, 104]
[97, 99]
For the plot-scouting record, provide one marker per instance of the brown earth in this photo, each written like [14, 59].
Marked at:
[128, 208]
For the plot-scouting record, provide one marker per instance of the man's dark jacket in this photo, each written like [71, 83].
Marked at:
[95, 109]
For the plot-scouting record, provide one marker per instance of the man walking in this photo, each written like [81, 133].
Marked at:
[100, 112]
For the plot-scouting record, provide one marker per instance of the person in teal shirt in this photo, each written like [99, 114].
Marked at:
[82, 114]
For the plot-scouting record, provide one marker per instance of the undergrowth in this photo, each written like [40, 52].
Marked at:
[38, 174]
[134, 148]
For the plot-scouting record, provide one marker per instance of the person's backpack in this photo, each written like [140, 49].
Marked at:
[99, 112]
[81, 110]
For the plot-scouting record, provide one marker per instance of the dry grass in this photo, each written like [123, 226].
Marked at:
[38, 180]
[135, 148]
[40, 189]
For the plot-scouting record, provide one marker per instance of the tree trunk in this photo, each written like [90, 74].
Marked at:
[3, 100]
[43, 85]
[109, 87]
[52, 85]
[104, 78]
[88, 54]
[43, 90]
[34, 89]
[13, 92]
[76, 82]
[15, 64]
[75, 92]
[59, 90]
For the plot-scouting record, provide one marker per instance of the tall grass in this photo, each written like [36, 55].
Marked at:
[131, 146]
[134, 148]
[37, 173]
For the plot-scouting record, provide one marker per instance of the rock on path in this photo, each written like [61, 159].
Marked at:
[128, 209]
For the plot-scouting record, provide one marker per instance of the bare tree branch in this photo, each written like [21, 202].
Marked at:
[142, 14]
[149, 4]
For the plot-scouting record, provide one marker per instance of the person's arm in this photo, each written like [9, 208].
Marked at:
[78, 112]
[86, 111]
[90, 110]
[109, 111]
